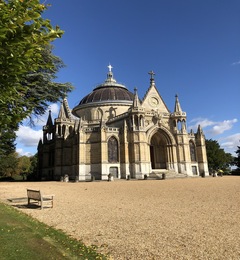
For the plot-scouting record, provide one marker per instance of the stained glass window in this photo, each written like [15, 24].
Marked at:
[112, 150]
[192, 152]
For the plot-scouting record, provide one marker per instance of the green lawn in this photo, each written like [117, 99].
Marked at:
[22, 237]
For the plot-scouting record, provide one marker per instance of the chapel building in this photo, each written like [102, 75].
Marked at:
[112, 131]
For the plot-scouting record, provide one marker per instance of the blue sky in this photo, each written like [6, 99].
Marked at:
[193, 46]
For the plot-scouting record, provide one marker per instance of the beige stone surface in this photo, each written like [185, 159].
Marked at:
[193, 218]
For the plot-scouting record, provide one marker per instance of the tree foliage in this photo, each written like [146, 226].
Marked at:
[40, 85]
[7, 138]
[33, 171]
[26, 62]
[237, 159]
[217, 158]
[9, 165]
[13, 164]
[27, 67]
[24, 165]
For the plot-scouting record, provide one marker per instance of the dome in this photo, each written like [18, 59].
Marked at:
[107, 100]
[110, 90]
[107, 93]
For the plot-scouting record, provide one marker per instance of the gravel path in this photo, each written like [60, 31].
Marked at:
[193, 218]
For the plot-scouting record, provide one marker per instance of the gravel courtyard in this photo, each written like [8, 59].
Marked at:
[192, 218]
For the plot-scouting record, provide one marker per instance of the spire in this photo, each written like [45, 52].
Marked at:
[64, 112]
[199, 130]
[40, 143]
[110, 75]
[136, 102]
[49, 121]
[177, 105]
[152, 81]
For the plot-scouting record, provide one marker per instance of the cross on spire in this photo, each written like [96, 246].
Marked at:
[110, 67]
[151, 73]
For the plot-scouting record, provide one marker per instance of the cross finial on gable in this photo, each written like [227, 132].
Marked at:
[151, 73]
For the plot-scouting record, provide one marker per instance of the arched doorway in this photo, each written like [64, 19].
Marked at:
[158, 151]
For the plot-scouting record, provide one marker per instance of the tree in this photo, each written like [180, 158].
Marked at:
[26, 61]
[9, 165]
[42, 90]
[33, 171]
[217, 158]
[237, 159]
[7, 144]
[24, 165]
[27, 66]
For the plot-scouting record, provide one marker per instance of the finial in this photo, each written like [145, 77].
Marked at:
[151, 73]
[110, 78]
[135, 90]
[177, 105]
[110, 67]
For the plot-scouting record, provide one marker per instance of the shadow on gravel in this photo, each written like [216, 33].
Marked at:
[21, 203]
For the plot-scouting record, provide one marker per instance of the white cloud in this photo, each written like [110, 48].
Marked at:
[236, 63]
[223, 126]
[54, 109]
[28, 136]
[203, 122]
[21, 152]
[217, 127]
[214, 128]
[231, 142]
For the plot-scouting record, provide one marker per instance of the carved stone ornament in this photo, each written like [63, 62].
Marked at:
[153, 101]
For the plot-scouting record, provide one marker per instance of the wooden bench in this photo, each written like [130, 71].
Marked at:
[37, 196]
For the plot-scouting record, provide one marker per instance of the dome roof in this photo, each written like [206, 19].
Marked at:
[109, 93]
[110, 90]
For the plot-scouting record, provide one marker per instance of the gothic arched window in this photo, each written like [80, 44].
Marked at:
[112, 150]
[192, 151]
[179, 125]
[99, 114]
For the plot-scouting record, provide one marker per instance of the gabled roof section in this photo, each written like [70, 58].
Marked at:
[65, 112]
[152, 98]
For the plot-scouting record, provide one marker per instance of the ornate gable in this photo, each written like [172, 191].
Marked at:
[152, 99]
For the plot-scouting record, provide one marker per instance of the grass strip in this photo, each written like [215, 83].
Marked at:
[22, 237]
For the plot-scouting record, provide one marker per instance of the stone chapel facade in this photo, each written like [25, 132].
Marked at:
[112, 131]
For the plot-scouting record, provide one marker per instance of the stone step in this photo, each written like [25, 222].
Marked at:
[168, 175]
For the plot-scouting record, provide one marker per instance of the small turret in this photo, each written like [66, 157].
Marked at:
[137, 113]
[48, 129]
[179, 116]
[64, 122]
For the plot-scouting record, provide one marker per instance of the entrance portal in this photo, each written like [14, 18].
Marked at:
[158, 151]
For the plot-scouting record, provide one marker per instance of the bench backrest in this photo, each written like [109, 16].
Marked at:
[34, 194]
